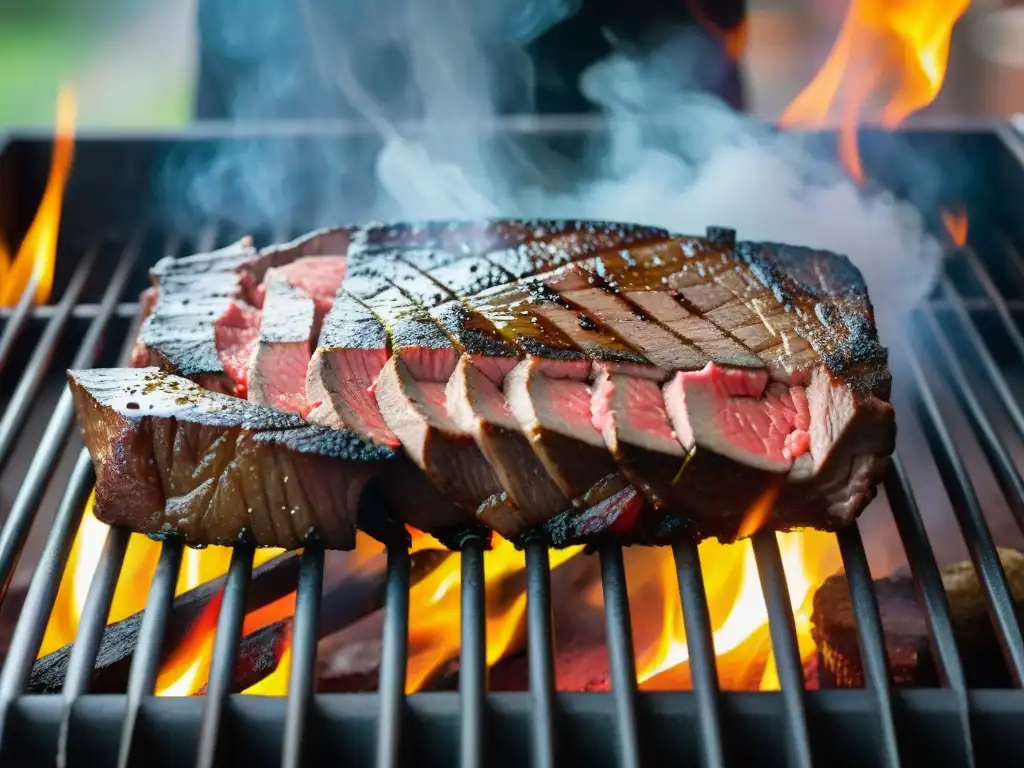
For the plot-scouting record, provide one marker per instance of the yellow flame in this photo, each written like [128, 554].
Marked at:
[434, 610]
[38, 252]
[741, 638]
[895, 51]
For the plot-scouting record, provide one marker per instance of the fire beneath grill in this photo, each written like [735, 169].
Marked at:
[738, 614]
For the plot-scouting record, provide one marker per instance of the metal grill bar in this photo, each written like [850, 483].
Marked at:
[1010, 480]
[146, 659]
[540, 646]
[874, 658]
[225, 654]
[393, 658]
[20, 404]
[996, 297]
[700, 645]
[303, 669]
[971, 521]
[15, 529]
[17, 322]
[931, 594]
[784, 645]
[473, 659]
[621, 663]
[90, 630]
[42, 592]
[993, 374]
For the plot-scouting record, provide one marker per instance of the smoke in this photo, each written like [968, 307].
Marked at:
[668, 155]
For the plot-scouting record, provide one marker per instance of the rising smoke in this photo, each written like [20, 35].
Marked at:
[670, 156]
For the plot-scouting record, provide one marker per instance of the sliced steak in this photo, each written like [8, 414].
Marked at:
[203, 316]
[350, 354]
[568, 377]
[630, 414]
[277, 371]
[173, 459]
[554, 413]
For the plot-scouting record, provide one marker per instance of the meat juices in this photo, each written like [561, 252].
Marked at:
[575, 379]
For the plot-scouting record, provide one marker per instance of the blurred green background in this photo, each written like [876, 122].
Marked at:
[132, 61]
[129, 60]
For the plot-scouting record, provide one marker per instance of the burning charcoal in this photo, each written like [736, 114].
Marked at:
[271, 581]
[357, 594]
[906, 630]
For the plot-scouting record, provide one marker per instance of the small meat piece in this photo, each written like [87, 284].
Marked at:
[480, 409]
[630, 414]
[277, 371]
[174, 460]
[554, 414]
[342, 374]
[203, 301]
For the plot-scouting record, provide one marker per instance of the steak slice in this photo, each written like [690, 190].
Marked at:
[173, 459]
[203, 319]
[555, 415]
[277, 372]
[203, 314]
[351, 351]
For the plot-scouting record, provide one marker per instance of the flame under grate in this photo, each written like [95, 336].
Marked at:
[961, 371]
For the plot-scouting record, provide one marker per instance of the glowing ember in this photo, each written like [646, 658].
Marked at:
[956, 226]
[892, 53]
[276, 683]
[34, 261]
[187, 667]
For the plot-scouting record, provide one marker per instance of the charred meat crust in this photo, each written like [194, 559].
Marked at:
[173, 459]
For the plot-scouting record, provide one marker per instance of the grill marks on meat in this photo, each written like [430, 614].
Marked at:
[203, 316]
[578, 377]
[173, 459]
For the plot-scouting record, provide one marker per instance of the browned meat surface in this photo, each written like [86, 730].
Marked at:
[277, 370]
[582, 379]
[173, 459]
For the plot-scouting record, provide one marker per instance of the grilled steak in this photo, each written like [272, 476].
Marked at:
[576, 379]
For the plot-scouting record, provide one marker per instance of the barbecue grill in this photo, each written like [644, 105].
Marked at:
[960, 417]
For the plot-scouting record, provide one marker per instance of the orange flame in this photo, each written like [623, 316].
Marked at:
[198, 566]
[38, 252]
[434, 609]
[187, 667]
[955, 222]
[733, 40]
[739, 615]
[895, 50]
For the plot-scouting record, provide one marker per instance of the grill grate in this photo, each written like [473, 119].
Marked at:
[879, 725]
